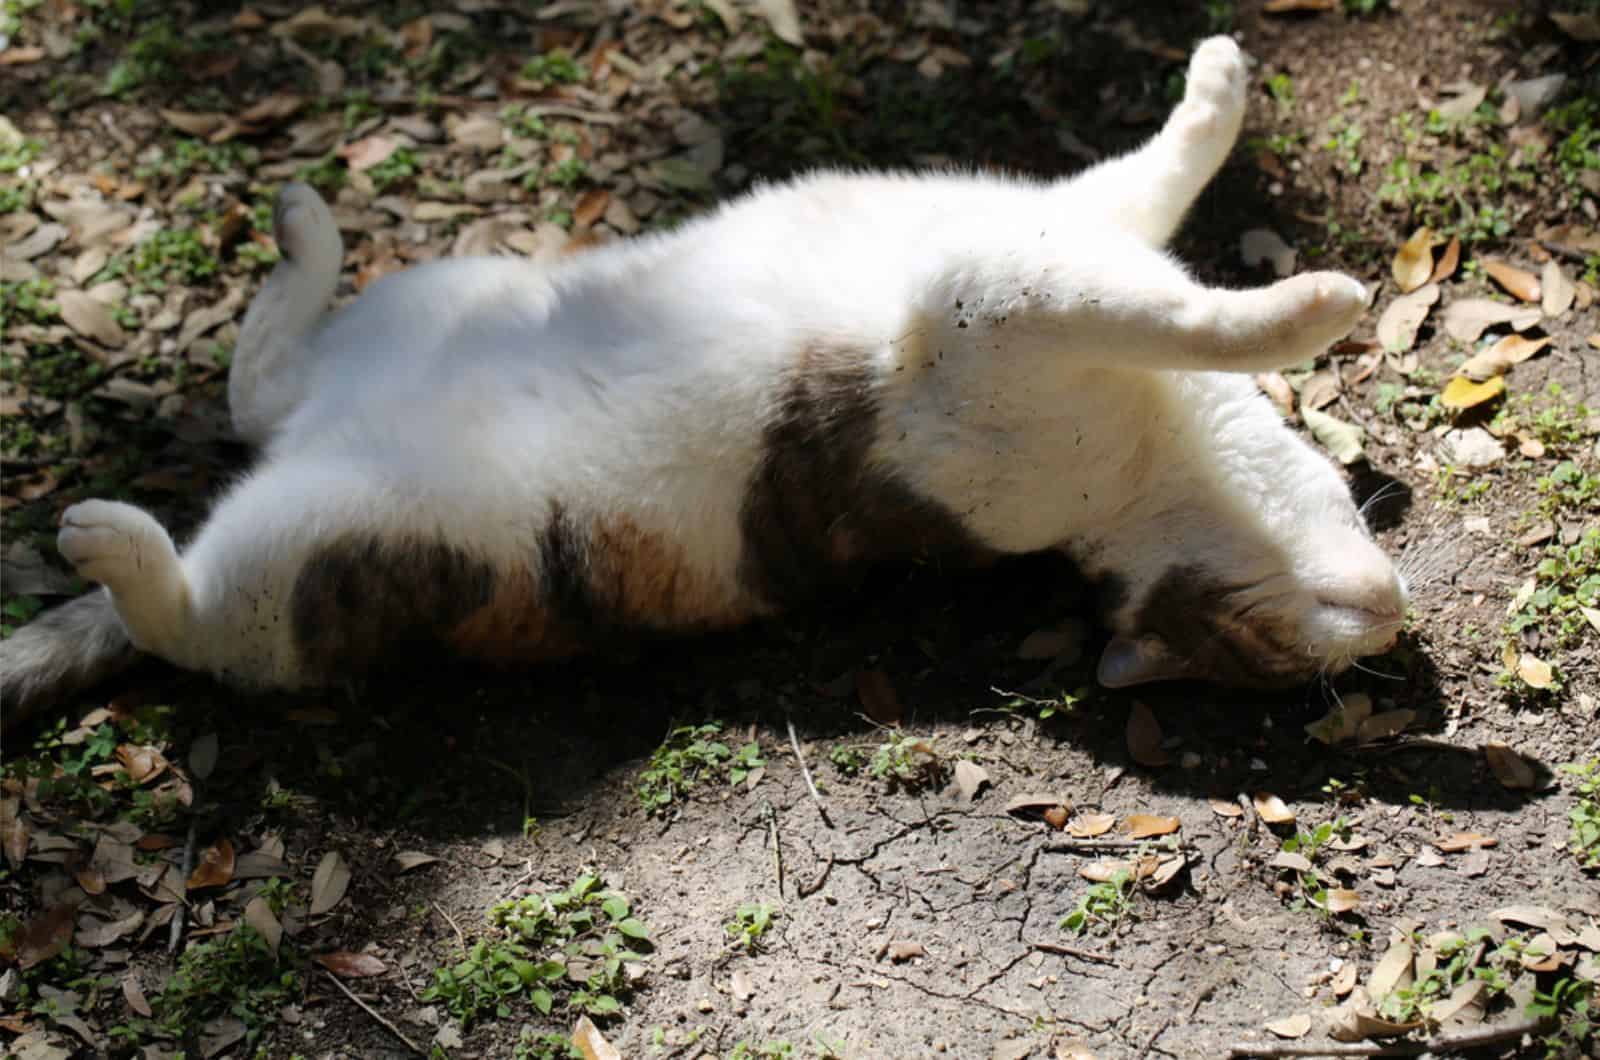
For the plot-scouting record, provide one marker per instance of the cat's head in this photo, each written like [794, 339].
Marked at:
[1256, 569]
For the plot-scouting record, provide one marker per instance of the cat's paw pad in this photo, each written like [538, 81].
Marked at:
[113, 543]
[1326, 304]
[1215, 92]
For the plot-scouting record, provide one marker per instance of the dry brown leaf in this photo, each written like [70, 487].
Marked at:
[215, 868]
[1413, 262]
[44, 937]
[1501, 357]
[328, 883]
[133, 994]
[591, 206]
[1392, 972]
[970, 777]
[1385, 724]
[412, 859]
[1403, 317]
[1465, 1003]
[1146, 826]
[90, 317]
[1535, 672]
[1454, 844]
[1509, 768]
[1144, 737]
[591, 1043]
[1295, 1026]
[878, 697]
[1276, 387]
[1288, 859]
[273, 109]
[367, 152]
[1224, 808]
[259, 915]
[1448, 261]
[1283, 7]
[13, 832]
[1559, 291]
[903, 950]
[1518, 282]
[1342, 900]
[1344, 980]
[1467, 319]
[201, 125]
[1271, 809]
[1035, 802]
[142, 763]
[347, 965]
[1089, 825]
[1343, 722]
[1056, 817]
[1583, 27]
[1462, 393]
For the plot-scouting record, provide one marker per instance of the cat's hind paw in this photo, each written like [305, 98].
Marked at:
[1215, 93]
[115, 544]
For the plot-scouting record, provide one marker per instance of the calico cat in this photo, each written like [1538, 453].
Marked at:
[511, 462]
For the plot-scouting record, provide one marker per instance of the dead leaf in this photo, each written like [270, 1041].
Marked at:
[1345, 979]
[590, 207]
[1535, 672]
[1403, 317]
[91, 318]
[201, 125]
[1466, 320]
[347, 965]
[94, 933]
[1392, 972]
[1413, 262]
[591, 1043]
[1518, 282]
[1144, 737]
[1461, 106]
[412, 859]
[259, 915]
[1583, 27]
[329, 882]
[1276, 387]
[1288, 859]
[1501, 357]
[45, 936]
[1448, 261]
[367, 152]
[878, 697]
[1295, 1026]
[783, 19]
[1271, 808]
[1283, 7]
[1343, 722]
[1035, 802]
[1559, 290]
[1509, 767]
[13, 832]
[142, 763]
[1385, 724]
[1462, 393]
[1341, 439]
[903, 950]
[1089, 825]
[1146, 826]
[1224, 808]
[970, 777]
[215, 868]
[133, 994]
[1342, 900]
[1454, 844]
[1056, 817]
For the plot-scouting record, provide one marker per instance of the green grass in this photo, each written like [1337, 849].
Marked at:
[1103, 906]
[555, 67]
[1578, 125]
[908, 762]
[693, 755]
[568, 948]
[399, 167]
[27, 302]
[167, 256]
[1584, 817]
[1311, 890]
[749, 926]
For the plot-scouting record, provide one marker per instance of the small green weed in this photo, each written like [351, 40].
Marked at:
[1570, 1003]
[1566, 581]
[692, 755]
[1344, 141]
[848, 759]
[546, 1045]
[1280, 87]
[1361, 8]
[1459, 958]
[1584, 817]
[909, 762]
[16, 196]
[750, 924]
[1558, 422]
[398, 167]
[583, 935]
[1062, 702]
[18, 154]
[326, 175]
[27, 302]
[179, 159]
[780, 1049]
[555, 67]
[1311, 890]
[167, 256]
[1103, 906]
[1578, 125]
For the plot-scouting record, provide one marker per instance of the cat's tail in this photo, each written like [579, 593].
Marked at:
[64, 650]
[267, 377]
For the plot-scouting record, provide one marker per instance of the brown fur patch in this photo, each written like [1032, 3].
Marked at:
[1190, 609]
[515, 626]
[815, 512]
[643, 579]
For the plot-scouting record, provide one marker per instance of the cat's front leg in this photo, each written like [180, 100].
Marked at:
[1149, 191]
[131, 554]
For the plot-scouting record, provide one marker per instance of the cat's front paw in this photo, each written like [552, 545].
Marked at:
[115, 544]
[1214, 97]
[1322, 307]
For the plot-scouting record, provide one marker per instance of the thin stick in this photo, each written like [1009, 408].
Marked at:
[1070, 951]
[369, 1010]
[777, 848]
[805, 771]
[448, 919]
[809, 889]
[1440, 1046]
[1090, 846]
[182, 915]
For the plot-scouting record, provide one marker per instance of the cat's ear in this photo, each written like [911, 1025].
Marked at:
[1135, 661]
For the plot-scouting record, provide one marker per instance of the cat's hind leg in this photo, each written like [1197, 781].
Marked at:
[268, 375]
[131, 554]
[1148, 191]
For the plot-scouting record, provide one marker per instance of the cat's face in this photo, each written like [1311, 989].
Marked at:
[1265, 575]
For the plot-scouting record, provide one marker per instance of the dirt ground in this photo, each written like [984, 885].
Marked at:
[912, 911]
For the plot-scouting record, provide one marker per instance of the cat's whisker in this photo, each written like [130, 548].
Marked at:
[1388, 490]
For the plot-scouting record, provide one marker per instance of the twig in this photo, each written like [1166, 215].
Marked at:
[1564, 251]
[1441, 1046]
[1071, 951]
[369, 1010]
[1155, 1035]
[1090, 846]
[448, 919]
[182, 915]
[809, 889]
[526, 877]
[805, 771]
[777, 847]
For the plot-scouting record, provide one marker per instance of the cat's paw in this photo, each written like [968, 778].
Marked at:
[1322, 307]
[1214, 97]
[115, 544]
[298, 216]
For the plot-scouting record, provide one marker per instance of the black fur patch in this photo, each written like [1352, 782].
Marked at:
[815, 515]
[1190, 609]
[360, 601]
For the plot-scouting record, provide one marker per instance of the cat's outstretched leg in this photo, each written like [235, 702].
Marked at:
[268, 374]
[1148, 191]
[129, 553]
